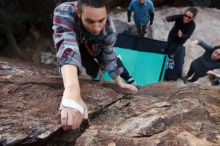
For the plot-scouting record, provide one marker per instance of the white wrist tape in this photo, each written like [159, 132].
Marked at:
[71, 104]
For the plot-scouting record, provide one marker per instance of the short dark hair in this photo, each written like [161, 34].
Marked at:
[93, 3]
[216, 47]
[192, 10]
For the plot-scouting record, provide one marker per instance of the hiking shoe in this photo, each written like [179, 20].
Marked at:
[132, 82]
[185, 80]
[96, 79]
[216, 82]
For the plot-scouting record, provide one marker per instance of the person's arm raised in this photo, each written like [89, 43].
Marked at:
[73, 109]
[201, 43]
[193, 43]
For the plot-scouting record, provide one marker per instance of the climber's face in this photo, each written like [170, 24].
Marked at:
[93, 19]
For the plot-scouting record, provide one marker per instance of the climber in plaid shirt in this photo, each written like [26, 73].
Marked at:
[84, 35]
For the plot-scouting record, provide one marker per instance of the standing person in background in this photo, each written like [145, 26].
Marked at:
[204, 64]
[83, 33]
[143, 14]
[182, 30]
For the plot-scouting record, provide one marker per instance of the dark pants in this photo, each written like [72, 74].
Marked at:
[141, 30]
[93, 64]
[90, 63]
[174, 71]
[173, 45]
[125, 74]
[191, 72]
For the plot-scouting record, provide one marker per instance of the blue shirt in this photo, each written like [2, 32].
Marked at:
[141, 11]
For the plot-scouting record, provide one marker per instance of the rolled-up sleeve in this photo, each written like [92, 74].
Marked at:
[109, 56]
[64, 36]
[173, 18]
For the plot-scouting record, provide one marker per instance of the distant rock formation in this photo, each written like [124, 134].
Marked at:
[175, 3]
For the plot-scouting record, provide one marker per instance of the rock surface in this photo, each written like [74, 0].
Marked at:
[162, 114]
[29, 97]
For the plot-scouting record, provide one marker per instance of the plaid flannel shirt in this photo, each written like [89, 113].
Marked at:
[67, 44]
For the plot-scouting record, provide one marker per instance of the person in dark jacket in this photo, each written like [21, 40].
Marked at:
[209, 61]
[182, 30]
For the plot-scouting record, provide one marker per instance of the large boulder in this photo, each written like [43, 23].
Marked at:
[30, 96]
[161, 114]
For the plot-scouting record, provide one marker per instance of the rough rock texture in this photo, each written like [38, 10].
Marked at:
[30, 97]
[159, 115]
[163, 114]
